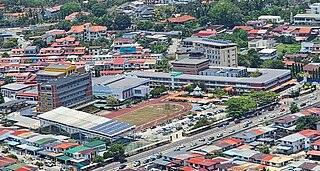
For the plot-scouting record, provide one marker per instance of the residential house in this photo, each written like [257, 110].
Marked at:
[87, 32]
[268, 54]
[51, 35]
[286, 121]
[256, 24]
[291, 144]
[81, 152]
[259, 44]
[98, 145]
[51, 51]
[271, 19]
[73, 16]
[52, 12]
[307, 19]
[179, 19]
[11, 90]
[65, 42]
[202, 163]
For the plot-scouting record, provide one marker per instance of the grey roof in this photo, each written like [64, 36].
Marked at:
[9, 103]
[161, 162]
[190, 61]
[58, 66]
[120, 82]
[64, 80]
[209, 41]
[222, 70]
[15, 86]
[245, 135]
[31, 48]
[292, 138]
[173, 154]
[267, 76]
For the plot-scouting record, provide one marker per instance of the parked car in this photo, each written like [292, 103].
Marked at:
[202, 139]
[136, 163]
[122, 166]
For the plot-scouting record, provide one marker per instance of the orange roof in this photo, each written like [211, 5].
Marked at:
[257, 131]
[18, 132]
[314, 153]
[66, 145]
[246, 28]
[245, 146]
[231, 141]
[187, 168]
[71, 16]
[304, 30]
[267, 158]
[97, 28]
[309, 132]
[316, 143]
[314, 110]
[253, 31]
[180, 19]
[68, 39]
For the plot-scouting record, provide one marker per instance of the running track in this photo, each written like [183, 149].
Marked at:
[186, 107]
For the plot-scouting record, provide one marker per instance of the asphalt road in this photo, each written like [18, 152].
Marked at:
[209, 133]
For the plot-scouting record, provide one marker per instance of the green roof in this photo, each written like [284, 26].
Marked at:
[45, 140]
[64, 158]
[174, 74]
[95, 143]
[76, 149]
[15, 166]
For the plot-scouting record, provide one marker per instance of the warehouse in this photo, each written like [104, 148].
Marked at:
[85, 124]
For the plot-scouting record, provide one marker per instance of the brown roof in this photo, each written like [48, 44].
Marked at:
[180, 19]
[308, 166]
[311, 67]
[286, 119]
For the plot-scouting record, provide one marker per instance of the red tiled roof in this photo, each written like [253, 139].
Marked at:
[269, 157]
[97, 28]
[68, 39]
[123, 40]
[119, 61]
[314, 153]
[305, 30]
[314, 110]
[257, 131]
[253, 31]
[316, 143]
[204, 162]
[180, 19]
[310, 67]
[246, 28]
[26, 168]
[66, 145]
[5, 161]
[71, 16]
[187, 168]
[18, 132]
[205, 33]
[231, 141]
[309, 132]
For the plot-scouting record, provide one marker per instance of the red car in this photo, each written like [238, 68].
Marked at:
[282, 109]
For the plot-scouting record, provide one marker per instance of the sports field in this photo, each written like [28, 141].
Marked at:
[149, 113]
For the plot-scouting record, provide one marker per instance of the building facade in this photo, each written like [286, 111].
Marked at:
[220, 53]
[190, 66]
[66, 91]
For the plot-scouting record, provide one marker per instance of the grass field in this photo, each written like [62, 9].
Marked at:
[290, 48]
[149, 113]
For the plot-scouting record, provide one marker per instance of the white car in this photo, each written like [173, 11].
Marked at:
[202, 139]
[231, 131]
[181, 146]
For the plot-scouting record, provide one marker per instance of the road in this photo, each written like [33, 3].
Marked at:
[212, 132]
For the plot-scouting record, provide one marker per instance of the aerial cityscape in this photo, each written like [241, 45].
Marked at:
[160, 85]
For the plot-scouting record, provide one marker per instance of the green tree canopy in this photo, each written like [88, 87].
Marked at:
[116, 151]
[294, 108]
[273, 64]
[122, 21]
[225, 13]
[70, 7]
[239, 106]
[306, 122]
[262, 97]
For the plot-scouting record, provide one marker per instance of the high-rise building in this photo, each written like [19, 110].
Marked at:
[66, 91]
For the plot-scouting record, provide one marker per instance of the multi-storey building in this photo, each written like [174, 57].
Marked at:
[87, 32]
[66, 91]
[220, 53]
[190, 66]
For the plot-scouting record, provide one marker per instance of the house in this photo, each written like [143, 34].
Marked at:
[81, 152]
[98, 145]
[245, 28]
[268, 54]
[205, 33]
[307, 19]
[95, 50]
[291, 144]
[87, 32]
[51, 12]
[63, 146]
[11, 90]
[31, 51]
[51, 35]
[286, 121]
[65, 42]
[144, 12]
[73, 16]
[254, 34]
[209, 164]
[51, 51]
[257, 23]
[180, 19]
[259, 44]
[271, 19]
[178, 157]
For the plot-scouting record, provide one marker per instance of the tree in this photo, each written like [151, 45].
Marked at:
[11, 43]
[306, 122]
[123, 21]
[238, 36]
[8, 80]
[156, 92]
[225, 13]
[286, 40]
[97, 159]
[1, 98]
[99, 9]
[264, 149]
[144, 25]
[164, 65]
[255, 74]
[218, 93]
[116, 151]
[273, 64]
[111, 100]
[254, 58]
[294, 108]
[188, 88]
[12, 156]
[128, 102]
[70, 7]
[64, 25]
[5, 55]
[39, 164]
[237, 107]
[262, 97]
[201, 122]
[159, 48]
[40, 43]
